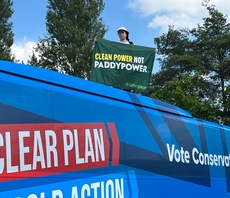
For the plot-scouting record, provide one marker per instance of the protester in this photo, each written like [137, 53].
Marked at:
[123, 34]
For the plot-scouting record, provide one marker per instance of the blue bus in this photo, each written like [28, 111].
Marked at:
[65, 137]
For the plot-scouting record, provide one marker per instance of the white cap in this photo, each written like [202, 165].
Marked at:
[123, 28]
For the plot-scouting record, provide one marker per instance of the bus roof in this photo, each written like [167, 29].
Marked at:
[78, 84]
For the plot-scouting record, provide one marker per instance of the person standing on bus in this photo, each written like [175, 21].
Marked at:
[123, 34]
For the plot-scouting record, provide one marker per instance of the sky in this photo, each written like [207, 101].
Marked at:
[144, 19]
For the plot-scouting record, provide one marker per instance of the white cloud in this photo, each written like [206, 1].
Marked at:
[23, 49]
[180, 13]
[146, 7]
[179, 20]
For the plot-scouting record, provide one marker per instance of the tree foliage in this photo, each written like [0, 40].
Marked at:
[212, 43]
[71, 27]
[185, 93]
[6, 34]
[185, 53]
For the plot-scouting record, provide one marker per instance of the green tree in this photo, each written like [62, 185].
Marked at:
[71, 27]
[177, 54]
[185, 93]
[212, 44]
[178, 57]
[203, 50]
[6, 34]
[225, 112]
[33, 59]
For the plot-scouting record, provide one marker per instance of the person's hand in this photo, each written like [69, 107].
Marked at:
[95, 39]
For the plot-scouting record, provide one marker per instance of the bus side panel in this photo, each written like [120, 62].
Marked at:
[59, 142]
[175, 156]
[77, 142]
